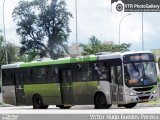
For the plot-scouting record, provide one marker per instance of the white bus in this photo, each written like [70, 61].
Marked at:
[123, 79]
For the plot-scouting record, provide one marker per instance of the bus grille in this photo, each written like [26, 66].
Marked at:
[144, 97]
[143, 89]
[140, 93]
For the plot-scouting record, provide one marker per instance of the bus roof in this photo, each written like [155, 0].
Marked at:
[66, 60]
[119, 54]
[51, 62]
[15, 65]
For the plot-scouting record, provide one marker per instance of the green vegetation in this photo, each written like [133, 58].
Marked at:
[158, 62]
[95, 46]
[154, 102]
[12, 52]
[43, 25]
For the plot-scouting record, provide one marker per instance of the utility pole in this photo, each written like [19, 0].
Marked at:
[142, 34]
[4, 34]
[76, 26]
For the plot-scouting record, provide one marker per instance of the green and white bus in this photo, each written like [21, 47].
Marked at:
[123, 79]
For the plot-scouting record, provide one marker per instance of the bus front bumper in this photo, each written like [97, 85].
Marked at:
[141, 98]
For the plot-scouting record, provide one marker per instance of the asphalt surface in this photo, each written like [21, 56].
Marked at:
[89, 109]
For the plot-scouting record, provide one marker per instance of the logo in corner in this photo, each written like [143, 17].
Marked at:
[119, 7]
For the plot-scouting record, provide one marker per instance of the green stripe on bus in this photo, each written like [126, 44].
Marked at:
[42, 89]
[54, 62]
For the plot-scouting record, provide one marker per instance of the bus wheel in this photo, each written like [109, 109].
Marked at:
[37, 102]
[131, 105]
[64, 107]
[101, 102]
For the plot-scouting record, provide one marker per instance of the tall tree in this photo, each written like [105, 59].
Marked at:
[43, 25]
[94, 46]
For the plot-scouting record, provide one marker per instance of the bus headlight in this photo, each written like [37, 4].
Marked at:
[155, 91]
[132, 93]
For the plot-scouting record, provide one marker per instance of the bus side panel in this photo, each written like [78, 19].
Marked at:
[8, 94]
[105, 87]
[83, 92]
[50, 93]
[92, 89]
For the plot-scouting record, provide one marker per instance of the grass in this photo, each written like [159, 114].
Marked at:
[154, 102]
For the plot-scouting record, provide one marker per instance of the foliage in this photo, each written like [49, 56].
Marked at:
[95, 46]
[43, 25]
[159, 62]
[12, 52]
[30, 56]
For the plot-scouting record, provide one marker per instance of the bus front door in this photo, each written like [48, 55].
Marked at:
[116, 85]
[19, 89]
[66, 86]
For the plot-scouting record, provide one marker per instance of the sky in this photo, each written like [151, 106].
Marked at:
[96, 18]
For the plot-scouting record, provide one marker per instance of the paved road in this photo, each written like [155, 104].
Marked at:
[139, 109]
[89, 109]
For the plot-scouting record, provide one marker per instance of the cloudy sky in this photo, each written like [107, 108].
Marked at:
[95, 18]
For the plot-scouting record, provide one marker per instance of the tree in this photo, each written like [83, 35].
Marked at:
[94, 41]
[12, 52]
[158, 61]
[1, 48]
[92, 47]
[95, 46]
[43, 25]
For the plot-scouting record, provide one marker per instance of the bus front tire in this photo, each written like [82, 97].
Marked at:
[101, 102]
[38, 103]
[131, 105]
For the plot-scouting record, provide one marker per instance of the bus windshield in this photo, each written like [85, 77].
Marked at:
[140, 74]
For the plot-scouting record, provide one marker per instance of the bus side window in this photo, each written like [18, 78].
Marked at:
[52, 73]
[84, 72]
[27, 78]
[100, 70]
[39, 74]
